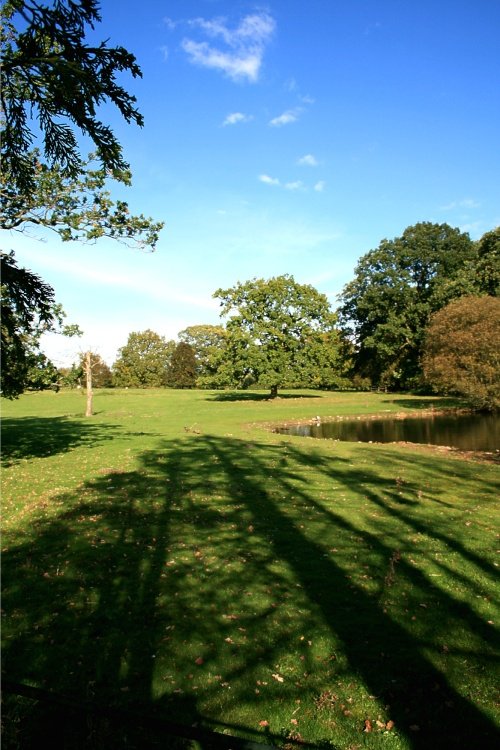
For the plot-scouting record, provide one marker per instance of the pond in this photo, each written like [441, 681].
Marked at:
[470, 432]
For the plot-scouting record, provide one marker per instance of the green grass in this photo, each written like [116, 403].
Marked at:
[173, 555]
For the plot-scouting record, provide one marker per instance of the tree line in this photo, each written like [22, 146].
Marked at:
[421, 312]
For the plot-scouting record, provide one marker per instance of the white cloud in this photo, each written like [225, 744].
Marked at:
[320, 186]
[246, 43]
[269, 180]
[235, 66]
[296, 185]
[169, 23]
[464, 203]
[235, 117]
[291, 115]
[308, 161]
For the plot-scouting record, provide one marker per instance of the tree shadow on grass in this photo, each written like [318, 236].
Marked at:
[253, 396]
[201, 587]
[425, 404]
[39, 437]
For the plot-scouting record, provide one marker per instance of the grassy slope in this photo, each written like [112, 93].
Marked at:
[172, 553]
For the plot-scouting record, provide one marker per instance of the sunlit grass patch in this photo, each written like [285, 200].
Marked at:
[265, 586]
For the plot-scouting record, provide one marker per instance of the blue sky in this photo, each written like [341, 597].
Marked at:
[289, 137]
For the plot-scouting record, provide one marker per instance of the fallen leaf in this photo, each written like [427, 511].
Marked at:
[199, 660]
[368, 726]
[278, 677]
[389, 725]
[263, 723]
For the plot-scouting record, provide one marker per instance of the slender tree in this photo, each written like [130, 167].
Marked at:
[87, 368]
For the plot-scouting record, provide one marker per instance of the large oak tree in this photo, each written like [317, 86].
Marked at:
[397, 286]
[272, 327]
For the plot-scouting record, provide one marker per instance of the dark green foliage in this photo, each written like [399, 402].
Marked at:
[52, 85]
[77, 207]
[143, 361]
[487, 270]
[42, 373]
[396, 288]
[27, 305]
[182, 368]
[71, 377]
[52, 80]
[206, 341]
[275, 330]
[28, 311]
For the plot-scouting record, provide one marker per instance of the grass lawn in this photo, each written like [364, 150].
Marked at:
[173, 556]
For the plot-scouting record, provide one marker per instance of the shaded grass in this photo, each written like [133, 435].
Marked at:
[229, 577]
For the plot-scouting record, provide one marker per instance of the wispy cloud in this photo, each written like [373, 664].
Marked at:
[137, 281]
[269, 180]
[291, 115]
[275, 182]
[235, 117]
[320, 186]
[308, 161]
[464, 203]
[242, 56]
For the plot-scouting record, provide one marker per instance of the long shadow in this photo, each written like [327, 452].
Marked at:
[39, 437]
[426, 403]
[252, 396]
[180, 587]
[348, 610]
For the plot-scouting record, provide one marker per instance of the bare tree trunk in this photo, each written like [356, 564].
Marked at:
[88, 373]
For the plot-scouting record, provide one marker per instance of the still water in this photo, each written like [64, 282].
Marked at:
[476, 432]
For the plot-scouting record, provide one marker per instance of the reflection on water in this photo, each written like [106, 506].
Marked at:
[477, 432]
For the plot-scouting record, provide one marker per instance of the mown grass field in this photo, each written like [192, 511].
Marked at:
[173, 556]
